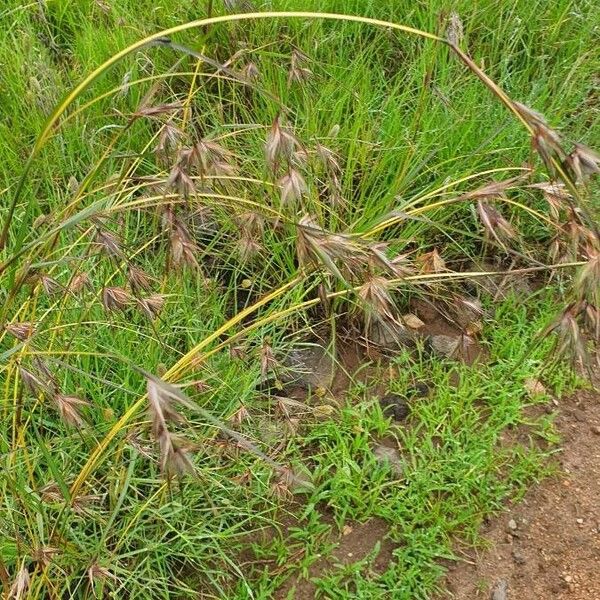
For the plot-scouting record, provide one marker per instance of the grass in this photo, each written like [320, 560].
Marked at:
[125, 265]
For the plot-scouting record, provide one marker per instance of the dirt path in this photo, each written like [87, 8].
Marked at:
[548, 545]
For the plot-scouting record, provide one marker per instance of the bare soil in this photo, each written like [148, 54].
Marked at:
[548, 545]
[352, 545]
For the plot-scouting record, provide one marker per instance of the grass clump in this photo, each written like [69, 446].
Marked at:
[192, 214]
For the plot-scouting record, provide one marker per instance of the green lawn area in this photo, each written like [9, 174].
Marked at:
[217, 199]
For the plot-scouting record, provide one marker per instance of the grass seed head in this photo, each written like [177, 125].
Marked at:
[293, 187]
[69, 408]
[115, 298]
[494, 223]
[79, 282]
[50, 286]
[21, 331]
[108, 242]
[299, 72]
[584, 163]
[455, 29]
[151, 305]
[139, 281]
[18, 590]
[280, 144]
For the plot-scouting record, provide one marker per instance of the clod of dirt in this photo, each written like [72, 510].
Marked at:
[395, 406]
[500, 591]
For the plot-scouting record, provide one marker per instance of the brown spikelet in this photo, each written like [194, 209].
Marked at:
[545, 140]
[293, 187]
[108, 242]
[208, 153]
[280, 144]
[329, 159]
[79, 282]
[584, 163]
[431, 262]
[299, 72]
[34, 382]
[377, 302]
[98, 573]
[151, 305]
[555, 194]
[250, 72]
[494, 223]
[268, 362]
[161, 109]
[248, 248]
[21, 331]
[115, 298]
[168, 138]
[317, 247]
[139, 281]
[69, 408]
[239, 416]
[587, 283]
[18, 590]
[570, 341]
[179, 178]
[43, 555]
[174, 453]
[50, 286]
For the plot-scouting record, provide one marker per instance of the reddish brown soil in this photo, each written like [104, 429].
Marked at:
[554, 552]
[352, 545]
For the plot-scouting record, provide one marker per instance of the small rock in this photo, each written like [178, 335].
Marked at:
[390, 456]
[568, 578]
[595, 429]
[395, 406]
[391, 337]
[411, 320]
[310, 366]
[500, 591]
[518, 557]
[512, 525]
[444, 345]
[580, 521]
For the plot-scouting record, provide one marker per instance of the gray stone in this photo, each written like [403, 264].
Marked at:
[310, 365]
[444, 345]
[391, 336]
[390, 456]
[500, 591]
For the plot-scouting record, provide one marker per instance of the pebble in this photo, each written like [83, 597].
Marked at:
[512, 525]
[595, 429]
[311, 366]
[580, 521]
[390, 456]
[444, 345]
[500, 591]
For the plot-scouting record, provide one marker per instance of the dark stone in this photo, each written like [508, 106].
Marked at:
[395, 406]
